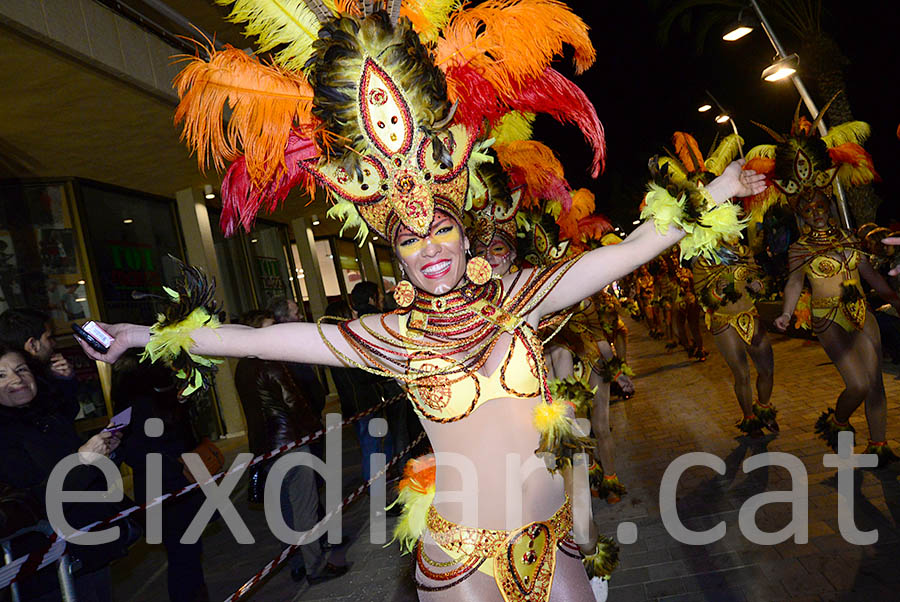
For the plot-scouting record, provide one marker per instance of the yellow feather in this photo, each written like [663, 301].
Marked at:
[274, 23]
[724, 154]
[763, 151]
[851, 131]
[345, 211]
[514, 126]
[675, 170]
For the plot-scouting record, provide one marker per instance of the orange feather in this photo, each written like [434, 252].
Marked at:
[511, 41]
[535, 165]
[267, 103]
[688, 152]
[582, 206]
[418, 474]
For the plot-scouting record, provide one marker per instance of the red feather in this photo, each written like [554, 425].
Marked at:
[594, 227]
[564, 101]
[477, 98]
[242, 201]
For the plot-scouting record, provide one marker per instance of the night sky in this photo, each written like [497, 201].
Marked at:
[643, 91]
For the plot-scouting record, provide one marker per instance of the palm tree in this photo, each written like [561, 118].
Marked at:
[822, 59]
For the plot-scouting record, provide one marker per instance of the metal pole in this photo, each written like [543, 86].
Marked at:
[810, 106]
[7, 558]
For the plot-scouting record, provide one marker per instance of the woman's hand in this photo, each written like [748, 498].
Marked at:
[755, 286]
[736, 182]
[892, 240]
[60, 366]
[782, 322]
[125, 336]
[103, 444]
[626, 384]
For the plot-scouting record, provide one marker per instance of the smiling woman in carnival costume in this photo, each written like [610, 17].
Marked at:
[383, 106]
[803, 166]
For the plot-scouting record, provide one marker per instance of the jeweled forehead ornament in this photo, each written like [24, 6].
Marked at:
[405, 173]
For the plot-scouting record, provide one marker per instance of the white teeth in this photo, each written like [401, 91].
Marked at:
[438, 267]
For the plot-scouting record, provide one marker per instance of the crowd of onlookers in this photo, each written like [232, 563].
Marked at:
[282, 402]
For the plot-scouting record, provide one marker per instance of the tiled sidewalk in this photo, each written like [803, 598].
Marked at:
[680, 406]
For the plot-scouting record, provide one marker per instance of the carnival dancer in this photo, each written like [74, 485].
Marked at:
[688, 314]
[726, 290]
[803, 166]
[725, 284]
[372, 121]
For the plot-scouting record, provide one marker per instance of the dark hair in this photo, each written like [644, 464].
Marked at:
[280, 309]
[4, 349]
[19, 325]
[362, 292]
[255, 317]
[338, 309]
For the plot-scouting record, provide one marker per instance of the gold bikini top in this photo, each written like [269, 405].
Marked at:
[451, 397]
[826, 266]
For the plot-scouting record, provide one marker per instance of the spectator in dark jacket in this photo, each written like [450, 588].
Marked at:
[278, 411]
[150, 392]
[284, 311]
[367, 299]
[36, 432]
[360, 390]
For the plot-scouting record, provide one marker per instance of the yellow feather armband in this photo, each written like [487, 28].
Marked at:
[705, 224]
[560, 435]
[171, 343]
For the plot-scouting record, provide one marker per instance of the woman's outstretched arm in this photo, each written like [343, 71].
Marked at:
[792, 290]
[594, 270]
[292, 342]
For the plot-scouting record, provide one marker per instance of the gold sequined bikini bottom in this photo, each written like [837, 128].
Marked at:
[521, 561]
[744, 323]
[850, 316]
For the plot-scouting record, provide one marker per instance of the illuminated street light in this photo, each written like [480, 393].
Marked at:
[722, 118]
[636, 222]
[704, 108]
[781, 69]
[739, 28]
[315, 220]
[208, 191]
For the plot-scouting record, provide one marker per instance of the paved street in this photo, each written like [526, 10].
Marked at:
[680, 406]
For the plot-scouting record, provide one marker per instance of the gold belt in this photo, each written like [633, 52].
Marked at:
[523, 560]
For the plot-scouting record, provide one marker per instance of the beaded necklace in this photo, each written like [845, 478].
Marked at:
[461, 327]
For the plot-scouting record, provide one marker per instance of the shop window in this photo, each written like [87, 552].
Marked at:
[130, 236]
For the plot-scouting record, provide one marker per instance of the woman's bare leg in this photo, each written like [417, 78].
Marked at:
[843, 350]
[732, 348]
[606, 448]
[764, 359]
[693, 320]
[621, 343]
[869, 344]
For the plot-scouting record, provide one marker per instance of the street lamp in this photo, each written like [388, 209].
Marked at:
[208, 191]
[704, 108]
[781, 68]
[807, 100]
[724, 117]
[738, 29]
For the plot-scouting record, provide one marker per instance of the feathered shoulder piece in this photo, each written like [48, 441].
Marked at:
[383, 103]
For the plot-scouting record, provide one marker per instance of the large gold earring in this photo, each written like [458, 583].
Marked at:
[404, 293]
[478, 270]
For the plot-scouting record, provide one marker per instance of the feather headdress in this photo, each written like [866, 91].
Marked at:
[802, 162]
[382, 103]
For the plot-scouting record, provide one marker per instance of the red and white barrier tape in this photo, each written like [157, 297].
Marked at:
[254, 581]
[27, 565]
